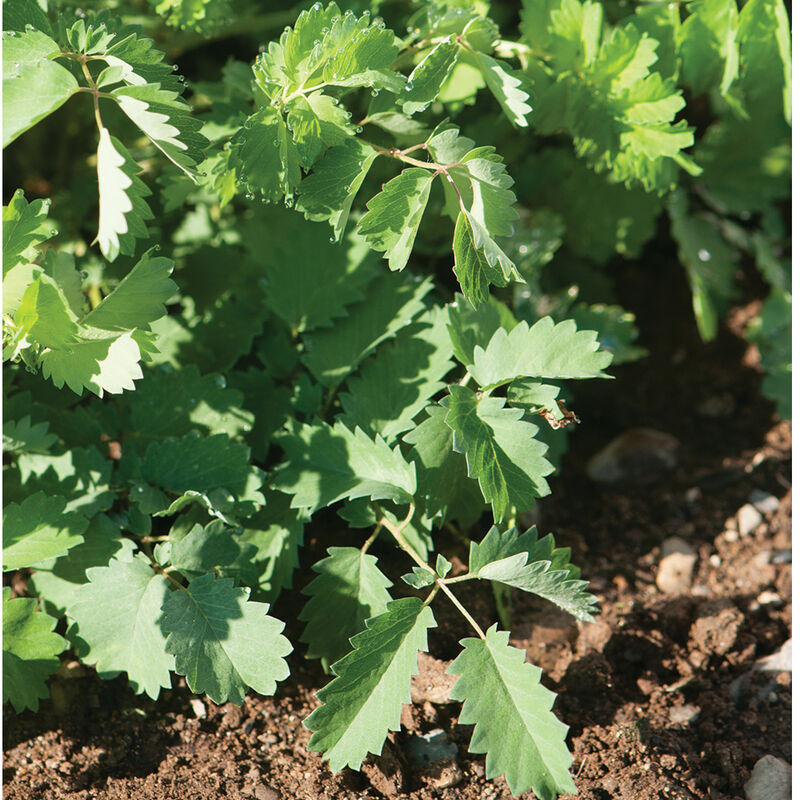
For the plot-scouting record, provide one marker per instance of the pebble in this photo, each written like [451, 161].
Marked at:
[781, 557]
[638, 456]
[748, 519]
[764, 502]
[771, 780]
[715, 560]
[766, 598]
[430, 747]
[199, 708]
[674, 574]
[682, 714]
[266, 793]
[779, 661]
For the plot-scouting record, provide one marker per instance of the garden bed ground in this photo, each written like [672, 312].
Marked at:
[659, 693]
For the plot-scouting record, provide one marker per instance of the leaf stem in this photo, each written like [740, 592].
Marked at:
[95, 91]
[441, 584]
[372, 538]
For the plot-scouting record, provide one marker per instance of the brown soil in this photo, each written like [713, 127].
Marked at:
[658, 694]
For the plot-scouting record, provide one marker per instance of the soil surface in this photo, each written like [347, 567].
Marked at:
[667, 695]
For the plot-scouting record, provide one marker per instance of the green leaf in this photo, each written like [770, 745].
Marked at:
[710, 264]
[139, 297]
[329, 463]
[546, 350]
[390, 304]
[117, 624]
[469, 325]
[277, 533]
[505, 86]
[428, 77]
[501, 451]
[349, 589]
[100, 362]
[441, 472]
[44, 315]
[30, 651]
[390, 225]
[317, 122]
[419, 578]
[123, 210]
[199, 464]
[510, 709]
[33, 86]
[174, 403]
[393, 386]
[57, 580]
[363, 703]
[323, 278]
[214, 547]
[38, 529]
[165, 118]
[25, 226]
[21, 436]
[523, 561]
[265, 157]
[707, 46]
[223, 643]
[327, 194]
[478, 260]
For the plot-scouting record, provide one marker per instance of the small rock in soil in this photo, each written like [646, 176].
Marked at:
[432, 683]
[683, 714]
[747, 519]
[675, 568]
[779, 661]
[444, 775]
[639, 456]
[199, 708]
[771, 780]
[716, 628]
[430, 747]
[266, 793]
[764, 502]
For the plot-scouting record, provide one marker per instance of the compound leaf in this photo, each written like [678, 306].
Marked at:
[545, 350]
[33, 85]
[329, 463]
[389, 305]
[164, 117]
[429, 76]
[441, 472]
[349, 589]
[123, 210]
[327, 194]
[139, 297]
[393, 385]
[99, 361]
[222, 642]
[39, 529]
[30, 651]
[390, 225]
[117, 623]
[501, 450]
[510, 709]
[363, 703]
[534, 565]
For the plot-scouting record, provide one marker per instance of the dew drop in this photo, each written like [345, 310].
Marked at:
[704, 255]
[332, 239]
[317, 7]
[374, 92]
[174, 67]
[409, 86]
[221, 382]
[29, 27]
[359, 129]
